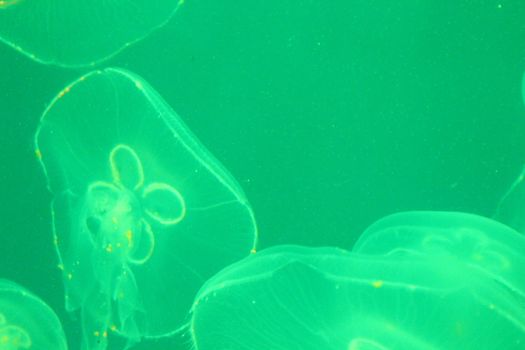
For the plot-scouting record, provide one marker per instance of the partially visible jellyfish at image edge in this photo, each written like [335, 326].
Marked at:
[511, 208]
[142, 213]
[416, 280]
[74, 33]
[490, 247]
[26, 322]
[4, 4]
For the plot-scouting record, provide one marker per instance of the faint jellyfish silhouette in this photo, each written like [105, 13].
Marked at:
[79, 33]
[487, 245]
[4, 4]
[26, 322]
[143, 214]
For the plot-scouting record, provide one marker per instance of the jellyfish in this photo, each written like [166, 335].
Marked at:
[142, 213]
[6, 3]
[26, 322]
[482, 243]
[417, 297]
[79, 33]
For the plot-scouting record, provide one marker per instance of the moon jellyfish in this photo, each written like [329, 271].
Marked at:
[26, 322]
[142, 213]
[79, 33]
[484, 244]
[290, 297]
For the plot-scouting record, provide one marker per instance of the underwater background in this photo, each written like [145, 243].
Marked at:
[330, 115]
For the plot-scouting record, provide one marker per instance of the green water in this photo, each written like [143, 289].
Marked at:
[329, 115]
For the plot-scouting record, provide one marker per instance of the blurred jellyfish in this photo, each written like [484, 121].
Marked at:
[26, 322]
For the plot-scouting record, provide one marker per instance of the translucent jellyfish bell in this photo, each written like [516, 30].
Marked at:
[79, 33]
[26, 322]
[143, 214]
[487, 245]
[292, 297]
